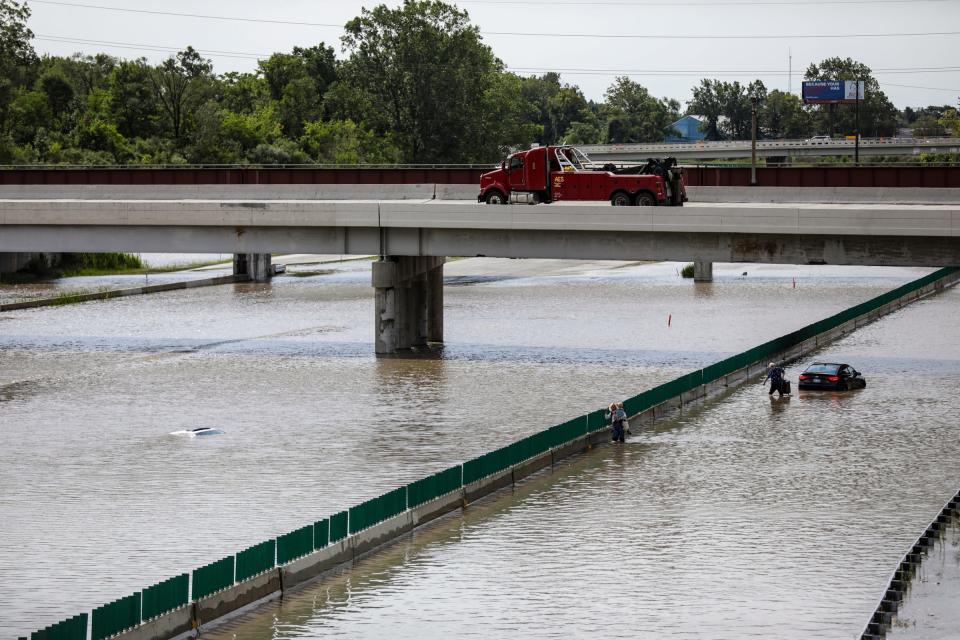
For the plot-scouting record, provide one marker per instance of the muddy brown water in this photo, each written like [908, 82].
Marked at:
[707, 523]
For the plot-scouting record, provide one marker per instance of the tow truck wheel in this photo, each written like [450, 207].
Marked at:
[645, 199]
[620, 199]
[494, 196]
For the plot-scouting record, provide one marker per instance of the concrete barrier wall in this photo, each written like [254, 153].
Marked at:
[218, 607]
[120, 293]
[826, 195]
[899, 585]
[430, 191]
[425, 191]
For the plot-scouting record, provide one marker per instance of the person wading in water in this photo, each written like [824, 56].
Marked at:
[775, 376]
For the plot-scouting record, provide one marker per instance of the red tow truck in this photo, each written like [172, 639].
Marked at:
[561, 173]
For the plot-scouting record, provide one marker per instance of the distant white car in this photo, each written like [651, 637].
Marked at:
[819, 139]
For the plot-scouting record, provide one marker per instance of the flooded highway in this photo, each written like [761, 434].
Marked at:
[929, 611]
[708, 522]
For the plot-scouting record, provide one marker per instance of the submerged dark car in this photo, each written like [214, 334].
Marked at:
[832, 376]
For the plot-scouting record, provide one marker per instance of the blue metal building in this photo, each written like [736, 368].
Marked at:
[689, 130]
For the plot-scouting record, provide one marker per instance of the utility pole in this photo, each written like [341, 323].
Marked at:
[753, 141]
[789, 70]
[856, 143]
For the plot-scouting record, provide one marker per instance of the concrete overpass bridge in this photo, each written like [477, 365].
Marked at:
[729, 149]
[412, 237]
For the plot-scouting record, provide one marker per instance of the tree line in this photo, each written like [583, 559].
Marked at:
[416, 84]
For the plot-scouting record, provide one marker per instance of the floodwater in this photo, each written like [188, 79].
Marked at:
[99, 500]
[92, 284]
[929, 611]
[748, 518]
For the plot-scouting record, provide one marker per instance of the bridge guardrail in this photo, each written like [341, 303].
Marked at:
[127, 612]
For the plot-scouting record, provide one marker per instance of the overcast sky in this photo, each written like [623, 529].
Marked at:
[684, 60]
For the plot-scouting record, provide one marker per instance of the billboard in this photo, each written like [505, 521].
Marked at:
[832, 91]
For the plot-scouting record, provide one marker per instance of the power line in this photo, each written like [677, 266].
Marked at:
[149, 47]
[518, 69]
[659, 4]
[527, 34]
[719, 37]
[187, 15]
[909, 86]
[738, 72]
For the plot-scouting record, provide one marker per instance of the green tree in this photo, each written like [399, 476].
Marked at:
[419, 72]
[344, 142]
[85, 73]
[633, 115]
[878, 116]
[708, 103]
[97, 135]
[506, 124]
[950, 121]
[929, 125]
[298, 81]
[319, 64]
[134, 106]
[782, 116]
[17, 57]
[224, 136]
[180, 84]
[300, 103]
[29, 112]
[591, 132]
[726, 107]
[243, 92]
[58, 90]
[553, 106]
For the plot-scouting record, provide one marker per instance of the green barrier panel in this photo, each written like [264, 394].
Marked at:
[637, 404]
[213, 577]
[472, 470]
[338, 526]
[529, 447]
[119, 615]
[376, 510]
[321, 533]
[256, 560]
[485, 465]
[165, 596]
[596, 420]
[393, 503]
[74, 628]
[567, 431]
[361, 515]
[431, 487]
[500, 460]
[295, 544]
[720, 369]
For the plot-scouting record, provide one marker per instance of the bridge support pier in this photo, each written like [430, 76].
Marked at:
[702, 271]
[408, 307]
[11, 263]
[255, 265]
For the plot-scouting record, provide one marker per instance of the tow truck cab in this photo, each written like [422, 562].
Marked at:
[560, 173]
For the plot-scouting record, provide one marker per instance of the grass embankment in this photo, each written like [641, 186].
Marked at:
[95, 264]
[109, 264]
